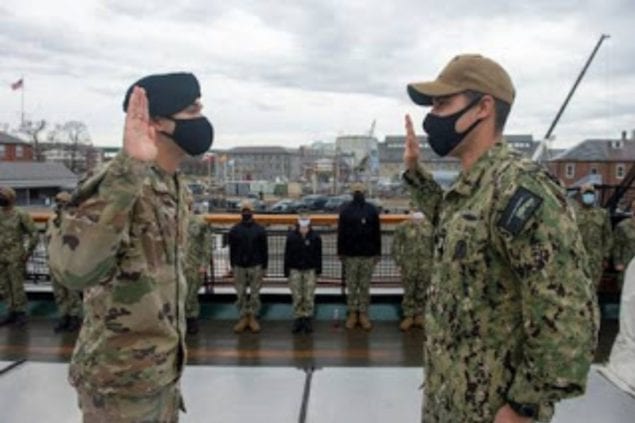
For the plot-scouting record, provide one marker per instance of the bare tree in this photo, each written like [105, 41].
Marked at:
[74, 140]
[33, 129]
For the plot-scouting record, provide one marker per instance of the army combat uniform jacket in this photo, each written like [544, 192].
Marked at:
[14, 226]
[511, 311]
[122, 240]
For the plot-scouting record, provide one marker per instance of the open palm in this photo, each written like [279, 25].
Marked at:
[139, 139]
[412, 150]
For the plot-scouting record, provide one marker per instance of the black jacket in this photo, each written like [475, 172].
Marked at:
[248, 245]
[303, 253]
[358, 231]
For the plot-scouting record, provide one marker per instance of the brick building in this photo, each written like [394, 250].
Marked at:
[14, 149]
[599, 161]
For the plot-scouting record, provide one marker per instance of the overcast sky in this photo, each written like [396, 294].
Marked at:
[292, 72]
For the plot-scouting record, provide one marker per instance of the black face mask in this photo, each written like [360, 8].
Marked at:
[4, 202]
[442, 135]
[247, 216]
[358, 197]
[194, 136]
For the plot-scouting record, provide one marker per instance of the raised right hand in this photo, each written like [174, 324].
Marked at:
[412, 150]
[139, 139]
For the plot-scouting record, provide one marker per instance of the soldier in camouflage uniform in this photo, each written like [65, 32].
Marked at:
[596, 231]
[68, 301]
[624, 244]
[412, 251]
[511, 314]
[359, 249]
[16, 225]
[122, 240]
[199, 251]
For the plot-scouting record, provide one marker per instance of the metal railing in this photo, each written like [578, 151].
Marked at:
[385, 275]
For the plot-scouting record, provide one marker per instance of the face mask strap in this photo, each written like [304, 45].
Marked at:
[461, 112]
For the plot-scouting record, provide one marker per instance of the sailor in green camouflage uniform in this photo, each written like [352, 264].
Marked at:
[511, 316]
[624, 244]
[122, 240]
[199, 251]
[412, 251]
[68, 301]
[596, 231]
[16, 226]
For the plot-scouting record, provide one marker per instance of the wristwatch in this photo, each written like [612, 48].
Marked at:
[525, 410]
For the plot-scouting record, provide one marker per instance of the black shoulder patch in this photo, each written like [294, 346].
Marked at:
[520, 208]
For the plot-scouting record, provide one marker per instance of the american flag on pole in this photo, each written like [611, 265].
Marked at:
[17, 84]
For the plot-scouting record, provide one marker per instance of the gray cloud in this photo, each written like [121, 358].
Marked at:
[326, 55]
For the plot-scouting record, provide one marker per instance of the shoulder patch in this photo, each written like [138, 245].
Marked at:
[520, 208]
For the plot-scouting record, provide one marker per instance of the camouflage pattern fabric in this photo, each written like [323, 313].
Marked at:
[302, 284]
[12, 283]
[160, 407]
[624, 245]
[412, 252]
[122, 240]
[358, 272]
[597, 236]
[248, 278]
[68, 301]
[510, 298]
[199, 252]
[16, 227]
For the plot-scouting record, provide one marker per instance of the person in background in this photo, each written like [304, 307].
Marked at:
[595, 227]
[302, 265]
[16, 226]
[68, 301]
[624, 244]
[197, 260]
[248, 257]
[359, 250]
[412, 251]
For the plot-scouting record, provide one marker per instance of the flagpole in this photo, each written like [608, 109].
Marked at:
[22, 105]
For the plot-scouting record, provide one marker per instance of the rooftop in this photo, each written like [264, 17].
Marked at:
[36, 175]
[10, 139]
[260, 150]
[599, 150]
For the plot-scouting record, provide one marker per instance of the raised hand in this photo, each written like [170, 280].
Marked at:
[139, 139]
[412, 150]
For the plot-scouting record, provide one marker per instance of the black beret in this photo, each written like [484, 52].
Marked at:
[167, 93]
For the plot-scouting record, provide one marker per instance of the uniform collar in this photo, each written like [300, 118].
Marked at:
[165, 181]
[468, 181]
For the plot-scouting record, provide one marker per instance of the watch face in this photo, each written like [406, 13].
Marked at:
[527, 410]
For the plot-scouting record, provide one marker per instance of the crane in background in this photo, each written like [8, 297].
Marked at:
[542, 152]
